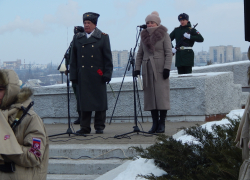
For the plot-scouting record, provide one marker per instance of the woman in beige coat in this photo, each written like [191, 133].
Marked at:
[155, 57]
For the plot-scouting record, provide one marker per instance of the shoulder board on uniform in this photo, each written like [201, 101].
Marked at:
[190, 28]
[104, 34]
[176, 27]
[79, 35]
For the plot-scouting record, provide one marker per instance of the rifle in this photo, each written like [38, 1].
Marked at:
[25, 112]
[178, 45]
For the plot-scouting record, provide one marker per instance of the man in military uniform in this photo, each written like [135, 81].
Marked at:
[184, 53]
[77, 29]
[91, 68]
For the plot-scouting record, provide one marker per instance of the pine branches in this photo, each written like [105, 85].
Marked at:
[213, 156]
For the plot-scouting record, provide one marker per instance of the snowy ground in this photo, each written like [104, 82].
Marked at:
[144, 167]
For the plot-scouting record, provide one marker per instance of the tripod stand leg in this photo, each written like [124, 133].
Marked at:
[119, 92]
[138, 97]
[132, 63]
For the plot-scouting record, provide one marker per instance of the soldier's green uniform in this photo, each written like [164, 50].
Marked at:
[185, 57]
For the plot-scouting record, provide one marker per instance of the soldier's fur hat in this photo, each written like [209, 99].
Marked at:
[183, 16]
[93, 17]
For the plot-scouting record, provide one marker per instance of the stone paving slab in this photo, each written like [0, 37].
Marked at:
[93, 151]
[71, 177]
[87, 167]
[112, 130]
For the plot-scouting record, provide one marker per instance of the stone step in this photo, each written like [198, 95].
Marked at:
[84, 167]
[71, 177]
[93, 150]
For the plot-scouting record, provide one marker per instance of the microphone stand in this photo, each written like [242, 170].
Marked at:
[69, 130]
[135, 87]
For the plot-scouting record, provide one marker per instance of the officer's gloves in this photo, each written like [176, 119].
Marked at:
[105, 79]
[166, 73]
[186, 35]
[173, 50]
[136, 73]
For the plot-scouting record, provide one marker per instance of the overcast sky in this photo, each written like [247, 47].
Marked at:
[41, 30]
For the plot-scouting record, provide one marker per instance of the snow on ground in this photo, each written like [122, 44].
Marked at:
[217, 65]
[175, 74]
[141, 166]
[56, 85]
[232, 115]
[119, 79]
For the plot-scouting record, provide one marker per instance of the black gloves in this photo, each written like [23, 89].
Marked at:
[166, 73]
[136, 73]
[105, 79]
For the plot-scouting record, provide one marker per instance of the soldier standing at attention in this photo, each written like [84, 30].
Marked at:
[91, 68]
[185, 55]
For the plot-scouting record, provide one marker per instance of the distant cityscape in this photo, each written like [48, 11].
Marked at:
[220, 54]
[36, 75]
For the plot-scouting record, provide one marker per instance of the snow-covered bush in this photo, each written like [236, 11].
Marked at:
[212, 156]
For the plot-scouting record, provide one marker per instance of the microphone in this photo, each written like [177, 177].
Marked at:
[144, 26]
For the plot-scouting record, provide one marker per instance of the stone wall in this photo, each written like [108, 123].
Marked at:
[239, 70]
[193, 97]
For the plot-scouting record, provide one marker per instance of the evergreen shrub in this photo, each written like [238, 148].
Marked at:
[213, 156]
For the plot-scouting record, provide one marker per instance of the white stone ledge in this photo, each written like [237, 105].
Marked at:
[192, 98]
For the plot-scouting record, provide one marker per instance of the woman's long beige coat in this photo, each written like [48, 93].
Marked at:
[155, 55]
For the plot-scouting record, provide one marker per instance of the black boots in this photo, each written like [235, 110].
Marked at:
[161, 126]
[155, 118]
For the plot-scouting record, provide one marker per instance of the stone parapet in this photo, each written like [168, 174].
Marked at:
[194, 97]
[238, 68]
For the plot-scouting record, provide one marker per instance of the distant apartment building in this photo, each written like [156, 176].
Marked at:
[120, 58]
[244, 56]
[201, 57]
[223, 54]
[12, 64]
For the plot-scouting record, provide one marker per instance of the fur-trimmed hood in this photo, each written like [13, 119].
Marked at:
[13, 94]
[149, 40]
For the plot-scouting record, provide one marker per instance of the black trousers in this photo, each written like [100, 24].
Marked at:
[99, 123]
[184, 69]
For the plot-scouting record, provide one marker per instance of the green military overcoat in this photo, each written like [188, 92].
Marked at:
[185, 57]
[90, 57]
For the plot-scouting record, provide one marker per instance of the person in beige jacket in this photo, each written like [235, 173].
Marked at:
[155, 57]
[24, 152]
